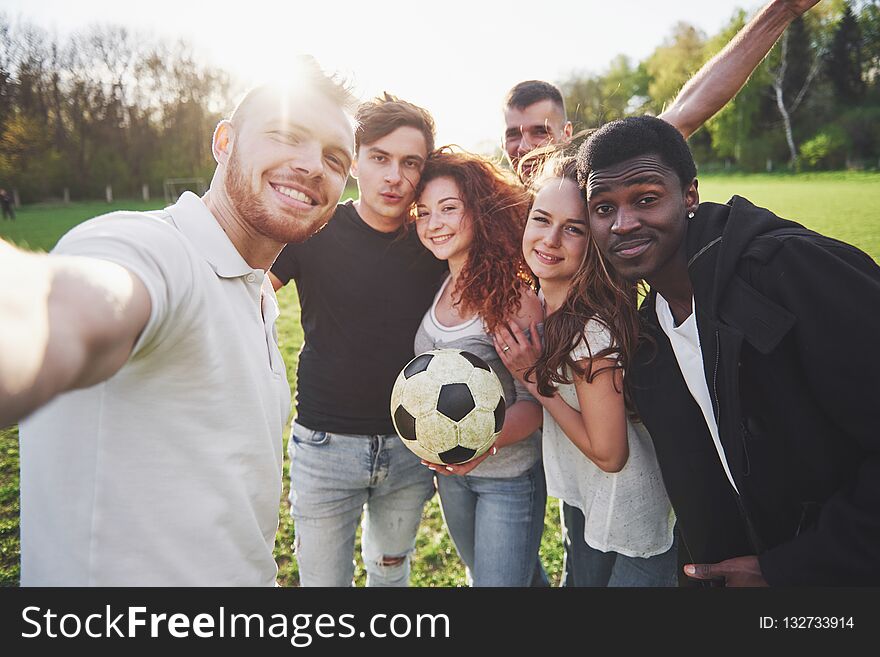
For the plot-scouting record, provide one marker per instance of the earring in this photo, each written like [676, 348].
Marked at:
[691, 214]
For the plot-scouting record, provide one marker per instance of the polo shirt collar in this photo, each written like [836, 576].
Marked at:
[192, 217]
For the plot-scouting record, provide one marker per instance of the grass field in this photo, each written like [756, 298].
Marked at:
[842, 205]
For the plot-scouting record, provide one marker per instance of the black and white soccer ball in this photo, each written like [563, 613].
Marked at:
[447, 406]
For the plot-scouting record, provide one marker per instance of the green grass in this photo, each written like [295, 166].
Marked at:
[842, 205]
[37, 227]
[9, 544]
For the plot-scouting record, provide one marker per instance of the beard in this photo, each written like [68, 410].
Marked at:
[253, 211]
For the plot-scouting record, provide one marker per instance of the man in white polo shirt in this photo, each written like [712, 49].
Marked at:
[143, 353]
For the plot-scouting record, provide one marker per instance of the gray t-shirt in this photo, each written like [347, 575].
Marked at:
[510, 461]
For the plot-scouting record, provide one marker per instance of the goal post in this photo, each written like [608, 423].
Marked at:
[174, 187]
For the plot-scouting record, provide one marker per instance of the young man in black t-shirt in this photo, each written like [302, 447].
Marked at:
[364, 283]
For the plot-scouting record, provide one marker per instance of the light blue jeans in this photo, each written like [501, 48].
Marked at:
[332, 477]
[496, 525]
[586, 566]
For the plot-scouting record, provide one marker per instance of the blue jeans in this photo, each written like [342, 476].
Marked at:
[496, 525]
[332, 477]
[586, 566]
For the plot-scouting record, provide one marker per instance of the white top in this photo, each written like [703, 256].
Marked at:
[440, 332]
[626, 512]
[686, 344]
[169, 472]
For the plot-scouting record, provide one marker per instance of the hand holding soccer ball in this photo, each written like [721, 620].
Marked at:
[447, 406]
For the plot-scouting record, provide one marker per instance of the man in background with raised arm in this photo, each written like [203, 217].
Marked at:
[535, 114]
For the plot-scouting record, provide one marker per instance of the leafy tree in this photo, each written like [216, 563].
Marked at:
[104, 106]
[869, 26]
[789, 69]
[672, 64]
[597, 99]
[844, 59]
[732, 128]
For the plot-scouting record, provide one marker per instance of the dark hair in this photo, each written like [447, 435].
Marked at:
[597, 292]
[334, 88]
[630, 137]
[495, 274]
[384, 114]
[532, 91]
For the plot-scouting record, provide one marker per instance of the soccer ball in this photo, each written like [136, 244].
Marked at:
[447, 406]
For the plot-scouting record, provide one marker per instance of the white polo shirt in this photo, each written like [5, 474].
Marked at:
[169, 472]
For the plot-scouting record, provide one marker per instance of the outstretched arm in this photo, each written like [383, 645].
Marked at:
[65, 323]
[721, 78]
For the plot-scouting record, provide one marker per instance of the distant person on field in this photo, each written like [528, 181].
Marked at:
[6, 204]
[143, 354]
[759, 382]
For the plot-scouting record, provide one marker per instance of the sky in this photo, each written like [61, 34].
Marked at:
[457, 58]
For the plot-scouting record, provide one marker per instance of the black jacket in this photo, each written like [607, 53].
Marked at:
[789, 325]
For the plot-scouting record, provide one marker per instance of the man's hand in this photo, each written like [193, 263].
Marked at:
[739, 571]
[799, 7]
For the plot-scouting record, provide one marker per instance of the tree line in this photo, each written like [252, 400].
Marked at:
[814, 103]
[102, 107]
[110, 107]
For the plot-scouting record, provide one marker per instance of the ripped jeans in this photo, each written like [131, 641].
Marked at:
[332, 478]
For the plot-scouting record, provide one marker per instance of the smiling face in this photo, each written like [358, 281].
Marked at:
[388, 171]
[286, 164]
[530, 127]
[555, 237]
[443, 224]
[638, 217]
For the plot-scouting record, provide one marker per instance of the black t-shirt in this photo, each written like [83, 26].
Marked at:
[362, 294]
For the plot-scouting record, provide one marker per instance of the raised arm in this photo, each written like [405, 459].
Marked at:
[721, 78]
[65, 322]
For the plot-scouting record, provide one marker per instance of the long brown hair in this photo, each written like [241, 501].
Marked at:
[596, 292]
[495, 273]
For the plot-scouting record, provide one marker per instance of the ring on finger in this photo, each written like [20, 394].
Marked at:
[505, 347]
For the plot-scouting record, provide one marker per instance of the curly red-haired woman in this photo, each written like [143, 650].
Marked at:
[472, 215]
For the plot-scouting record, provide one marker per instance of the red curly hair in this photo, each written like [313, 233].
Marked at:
[495, 274]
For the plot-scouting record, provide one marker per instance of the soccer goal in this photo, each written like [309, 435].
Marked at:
[174, 187]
